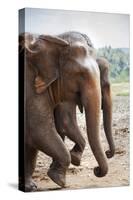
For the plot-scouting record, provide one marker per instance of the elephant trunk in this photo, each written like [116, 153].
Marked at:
[92, 104]
[107, 120]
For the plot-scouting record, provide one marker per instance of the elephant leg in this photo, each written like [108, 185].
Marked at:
[60, 130]
[74, 134]
[106, 104]
[53, 146]
[30, 162]
[66, 124]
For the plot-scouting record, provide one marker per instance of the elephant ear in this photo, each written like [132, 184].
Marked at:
[51, 72]
[43, 55]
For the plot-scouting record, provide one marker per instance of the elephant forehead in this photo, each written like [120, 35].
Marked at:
[90, 65]
[78, 50]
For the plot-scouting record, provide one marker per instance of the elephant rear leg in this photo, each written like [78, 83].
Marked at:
[52, 145]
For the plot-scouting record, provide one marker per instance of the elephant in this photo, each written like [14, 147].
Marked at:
[65, 113]
[39, 128]
[59, 70]
[66, 122]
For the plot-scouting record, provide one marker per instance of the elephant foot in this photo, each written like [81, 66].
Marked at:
[58, 175]
[75, 157]
[30, 186]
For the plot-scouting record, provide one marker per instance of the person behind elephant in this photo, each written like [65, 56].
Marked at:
[59, 70]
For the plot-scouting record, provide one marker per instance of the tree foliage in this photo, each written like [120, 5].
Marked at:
[119, 62]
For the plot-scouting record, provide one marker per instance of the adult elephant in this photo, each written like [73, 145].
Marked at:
[59, 70]
[66, 122]
[65, 113]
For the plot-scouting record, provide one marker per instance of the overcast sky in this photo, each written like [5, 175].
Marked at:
[102, 28]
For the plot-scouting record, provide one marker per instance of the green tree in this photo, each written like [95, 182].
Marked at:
[119, 62]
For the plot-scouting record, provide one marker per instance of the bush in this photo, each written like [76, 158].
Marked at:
[119, 62]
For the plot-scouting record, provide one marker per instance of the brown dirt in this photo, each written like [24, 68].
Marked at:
[82, 176]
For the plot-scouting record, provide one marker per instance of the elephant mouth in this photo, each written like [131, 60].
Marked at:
[79, 102]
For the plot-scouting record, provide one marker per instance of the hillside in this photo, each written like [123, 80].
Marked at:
[119, 62]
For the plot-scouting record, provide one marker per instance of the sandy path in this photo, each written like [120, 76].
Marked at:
[82, 176]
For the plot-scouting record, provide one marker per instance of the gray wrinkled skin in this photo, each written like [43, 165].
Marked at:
[81, 86]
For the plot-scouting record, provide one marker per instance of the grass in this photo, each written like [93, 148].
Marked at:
[120, 89]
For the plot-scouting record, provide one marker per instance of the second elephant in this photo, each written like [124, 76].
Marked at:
[66, 122]
[65, 113]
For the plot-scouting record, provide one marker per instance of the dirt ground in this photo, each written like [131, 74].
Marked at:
[82, 176]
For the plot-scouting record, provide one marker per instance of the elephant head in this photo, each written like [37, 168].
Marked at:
[68, 66]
